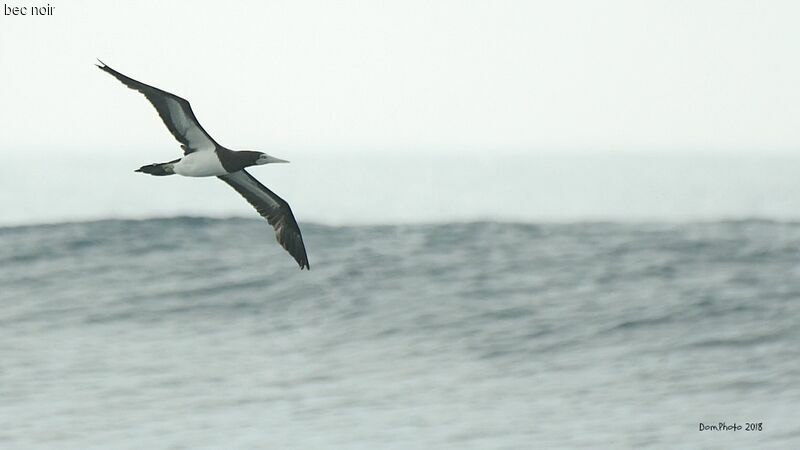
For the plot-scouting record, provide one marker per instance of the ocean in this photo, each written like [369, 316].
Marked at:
[338, 188]
[192, 332]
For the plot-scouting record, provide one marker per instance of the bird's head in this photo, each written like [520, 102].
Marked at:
[263, 158]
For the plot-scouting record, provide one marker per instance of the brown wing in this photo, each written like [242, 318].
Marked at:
[275, 210]
[174, 111]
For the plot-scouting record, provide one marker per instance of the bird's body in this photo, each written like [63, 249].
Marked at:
[200, 164]
[204, 157]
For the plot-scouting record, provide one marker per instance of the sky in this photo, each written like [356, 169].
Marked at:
[410, 76]
[399, 111]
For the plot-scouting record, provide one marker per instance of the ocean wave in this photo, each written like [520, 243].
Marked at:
[476, 316]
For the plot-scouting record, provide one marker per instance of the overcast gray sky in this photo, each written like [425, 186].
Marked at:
[485, 97]
[429, 76]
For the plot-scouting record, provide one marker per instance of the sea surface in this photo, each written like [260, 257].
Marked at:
[195, 333]
[395, 188]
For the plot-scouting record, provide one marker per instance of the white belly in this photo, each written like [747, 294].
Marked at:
[200, 164]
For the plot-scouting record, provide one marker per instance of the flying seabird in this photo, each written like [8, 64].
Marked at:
[204, 157]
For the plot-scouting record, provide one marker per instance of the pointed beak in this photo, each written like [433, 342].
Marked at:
[271, 159]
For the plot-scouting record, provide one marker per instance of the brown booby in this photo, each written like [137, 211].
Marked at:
[204, 157]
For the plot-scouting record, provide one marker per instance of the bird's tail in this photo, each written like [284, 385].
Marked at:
[158, 169]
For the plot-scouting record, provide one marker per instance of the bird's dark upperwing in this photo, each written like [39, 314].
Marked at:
[274, 209]
[174, 111]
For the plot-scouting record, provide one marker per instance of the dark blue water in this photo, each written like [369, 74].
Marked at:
[202, 333]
